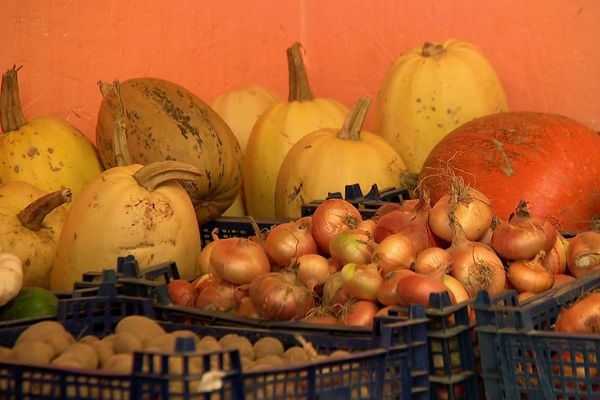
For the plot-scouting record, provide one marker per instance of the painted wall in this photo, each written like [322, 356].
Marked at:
[546, 52]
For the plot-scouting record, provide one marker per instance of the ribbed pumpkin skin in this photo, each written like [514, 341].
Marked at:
[421, 99]
[114, 216]
[321, 163]
[273, 135]
[548, 160]
[240, 109]
[49, 154]
[167, 122]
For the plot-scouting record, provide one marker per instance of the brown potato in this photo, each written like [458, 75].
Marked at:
[126, 343]
[33, 352]
[39, 331]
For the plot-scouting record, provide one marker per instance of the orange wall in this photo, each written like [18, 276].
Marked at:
[546, 52]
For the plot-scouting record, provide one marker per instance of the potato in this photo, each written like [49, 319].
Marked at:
[6, 354]
[120, 363]
[295, 354]
[241, 343]
[268, 346]
[139, 326]
[126, 343]
[89, 339]
[39, 331]
[103, 350]
[268, 362]
[33, 352]
[70, 360]
[161, 343]
[84, 352]
[59, 341]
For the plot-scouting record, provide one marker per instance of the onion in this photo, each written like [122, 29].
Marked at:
[434, 261]
[559, 279]
[312, 270]
[387, 208]
[322, 316]
[361, 281]
[219, 295]
[330, 217]
[487, 236]
[368, 226]
[456, 288]
[204, 264]
[530, 275]
[416, 288]
[352, 246]
[411, 220]
[290, 240]
[238, 260]
[556, 258]
[387, 291]
[583, 255]
[280, 296]
[394, 252]
[472, 210]
[523, 236]
[524, 296]
[246, 309]
[202, 282]
[182, 292]
[475, 264]
[333, 290]
[359, 313]
[582, 317]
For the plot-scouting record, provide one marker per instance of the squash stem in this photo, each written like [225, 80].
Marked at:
[154, 174]
[355, 120]
[432, 50]
[119, 143]
[298, 78]
[10, 102]
[32, 217]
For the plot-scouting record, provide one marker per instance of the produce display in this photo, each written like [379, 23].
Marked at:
[499, 200]
[335, 268]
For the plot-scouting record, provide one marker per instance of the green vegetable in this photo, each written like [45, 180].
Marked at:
[31, 302]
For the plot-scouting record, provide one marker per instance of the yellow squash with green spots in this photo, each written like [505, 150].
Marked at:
[429, 91]
[45, 152]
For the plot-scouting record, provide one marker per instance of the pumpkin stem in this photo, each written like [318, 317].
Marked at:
[355, 120]
[119, 143]
[10, 102]
[432, 50]
[298, 79]
[154, 174]
[32, 217]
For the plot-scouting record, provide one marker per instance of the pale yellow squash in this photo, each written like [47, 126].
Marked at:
[329, 159]
[30, 224]
[46, 152]
[277, 130]
[240, 109]
[429, 91]
[142, 211]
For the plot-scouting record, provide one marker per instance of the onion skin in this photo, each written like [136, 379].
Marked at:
[472, 210]
[387, 294]
[352, 246]
[204, 264]
[416, 288]
[434, 261]
[290, 240]
[333, 290]
[182, 292]
[583, 255]
[582, 317]
[394, 252]
[312, 270]
[219, 295]
[556, 258]
[410, 220]
[330, 217]
[559, 279]
[238, 260]
[361, 281]
[531, 275]
[523, 235]
[456, 288]
[360, 313]
[280, 296]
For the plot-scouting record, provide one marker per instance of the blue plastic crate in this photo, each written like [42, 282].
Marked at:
[523, 358]
[453, 352]
[396, 372]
